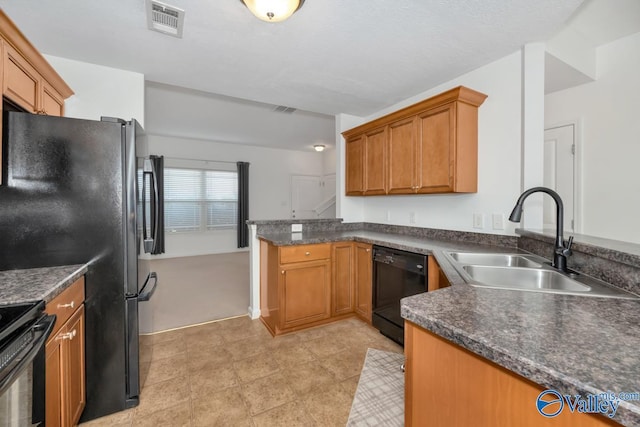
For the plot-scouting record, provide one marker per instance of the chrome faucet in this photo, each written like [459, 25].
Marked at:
[561, 251]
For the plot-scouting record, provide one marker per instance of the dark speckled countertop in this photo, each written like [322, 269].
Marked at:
[576, 345]
[34, 284]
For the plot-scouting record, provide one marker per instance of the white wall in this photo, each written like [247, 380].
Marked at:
[101, 91]
[499, 162]
[609, 110]
[269, 185]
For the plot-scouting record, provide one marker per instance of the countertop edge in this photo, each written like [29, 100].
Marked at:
[38, 284]
[545, 376]
[66, 282]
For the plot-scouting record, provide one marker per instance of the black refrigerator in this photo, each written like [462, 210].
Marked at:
[71, 195]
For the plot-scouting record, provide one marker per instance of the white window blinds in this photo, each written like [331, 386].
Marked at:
[199, 199]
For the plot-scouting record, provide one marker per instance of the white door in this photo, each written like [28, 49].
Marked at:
[559, 174]
[306, 195]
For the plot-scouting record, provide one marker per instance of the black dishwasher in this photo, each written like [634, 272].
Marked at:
[396, 274]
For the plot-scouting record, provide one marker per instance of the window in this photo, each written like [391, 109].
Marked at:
[199, 199]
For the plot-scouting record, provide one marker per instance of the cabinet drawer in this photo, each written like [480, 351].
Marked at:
[304, 253]
[65, 304]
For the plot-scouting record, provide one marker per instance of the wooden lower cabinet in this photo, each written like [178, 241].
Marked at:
[448, 386]
[306, 293]
[436, 279]
[343, 284]
[363, 280]
[65, 359]
[307, 285]
[295, 286]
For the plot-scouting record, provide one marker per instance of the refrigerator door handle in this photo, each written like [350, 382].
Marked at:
[146, 296]
[156, 205]
[149, 241]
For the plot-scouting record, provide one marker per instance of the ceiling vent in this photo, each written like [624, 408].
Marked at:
[165, 18]
[283, 109]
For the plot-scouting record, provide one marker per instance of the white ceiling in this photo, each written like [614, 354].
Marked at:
[602, 21]
[332, 56]
[222, 80]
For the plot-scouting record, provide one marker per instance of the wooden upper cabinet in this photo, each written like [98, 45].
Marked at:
[428, 147]
[375, 161]
[52, 102]
[26, 78]
[403, 138]
[21, 81]
[355, 165]
[437, 150]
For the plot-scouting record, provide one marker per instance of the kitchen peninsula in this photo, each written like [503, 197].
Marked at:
[576, 345]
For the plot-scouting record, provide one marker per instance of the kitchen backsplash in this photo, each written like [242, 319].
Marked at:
[621, 269]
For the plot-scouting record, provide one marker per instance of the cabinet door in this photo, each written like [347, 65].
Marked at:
[354, 160]
[21, 80]
[343, 285]
[375, 161]
[403, 157]
[437, 149]
[363, 280]
[53, 383]
[305, 292]
[52, 101]
[74, 391]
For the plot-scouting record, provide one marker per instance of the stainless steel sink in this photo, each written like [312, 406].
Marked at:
[524, 272]
[497, 260]
[524, 278]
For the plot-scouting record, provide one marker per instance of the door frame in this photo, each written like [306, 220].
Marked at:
[577, 125]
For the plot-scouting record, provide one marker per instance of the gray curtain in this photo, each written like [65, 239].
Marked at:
[243, 204]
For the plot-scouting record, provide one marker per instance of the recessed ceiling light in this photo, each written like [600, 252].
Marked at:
[319, 147]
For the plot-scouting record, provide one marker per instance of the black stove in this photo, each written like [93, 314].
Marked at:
[14, 316]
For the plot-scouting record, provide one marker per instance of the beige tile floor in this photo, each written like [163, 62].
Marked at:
[233, 373]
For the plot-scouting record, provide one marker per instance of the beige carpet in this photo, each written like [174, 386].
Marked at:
[198, 289]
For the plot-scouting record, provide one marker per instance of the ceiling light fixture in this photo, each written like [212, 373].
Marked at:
[273, 10]
[319, 147]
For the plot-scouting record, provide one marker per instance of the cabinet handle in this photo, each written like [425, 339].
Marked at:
[368, 250]
[68, 305]
[282, 272]
[67, 336]
[307, 253]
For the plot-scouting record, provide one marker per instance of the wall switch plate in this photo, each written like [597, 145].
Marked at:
[412, 217]
[296, 228]
[478, 220]
[498, 221]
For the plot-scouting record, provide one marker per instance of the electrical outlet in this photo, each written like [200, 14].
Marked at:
[498, 221]
[412, 217]
[296, 228]
[478, 220]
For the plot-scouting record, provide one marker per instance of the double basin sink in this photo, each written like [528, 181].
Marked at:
[526, 272]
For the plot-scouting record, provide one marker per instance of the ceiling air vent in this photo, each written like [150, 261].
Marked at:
[283, 109]
[165, 18]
